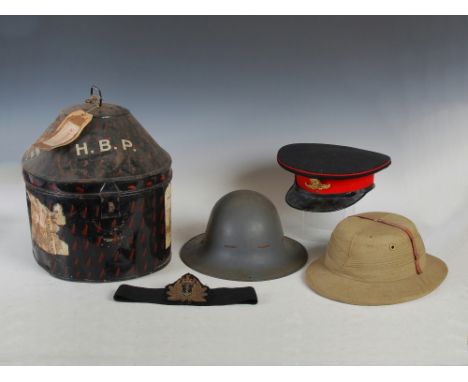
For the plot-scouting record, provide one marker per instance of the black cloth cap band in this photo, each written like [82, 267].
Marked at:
[187, 290]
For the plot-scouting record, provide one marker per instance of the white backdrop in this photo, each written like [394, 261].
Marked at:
[222, 95]
[49, 321]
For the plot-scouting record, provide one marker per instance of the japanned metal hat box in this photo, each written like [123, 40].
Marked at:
[98, 195]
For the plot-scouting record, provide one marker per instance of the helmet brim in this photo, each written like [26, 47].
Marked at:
[266, 264]
[344, 289]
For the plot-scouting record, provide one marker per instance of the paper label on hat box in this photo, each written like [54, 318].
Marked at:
[167, 214]
[45, 225]
[66, 132]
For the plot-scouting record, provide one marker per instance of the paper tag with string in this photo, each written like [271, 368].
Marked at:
[66, 132]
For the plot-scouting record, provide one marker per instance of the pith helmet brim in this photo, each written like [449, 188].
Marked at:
[306, 201]
[344, 289]
[258, 268]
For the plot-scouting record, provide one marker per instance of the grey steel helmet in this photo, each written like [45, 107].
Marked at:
[244, 241]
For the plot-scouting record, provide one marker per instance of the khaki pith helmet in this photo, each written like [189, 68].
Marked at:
[375, 258]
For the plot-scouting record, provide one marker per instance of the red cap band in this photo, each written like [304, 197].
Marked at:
[334, 186]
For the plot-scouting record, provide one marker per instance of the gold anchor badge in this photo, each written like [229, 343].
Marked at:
[187, 289]
[316, 184]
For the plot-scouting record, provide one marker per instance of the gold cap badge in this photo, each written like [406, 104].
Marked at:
[187, 289]
[316, 184]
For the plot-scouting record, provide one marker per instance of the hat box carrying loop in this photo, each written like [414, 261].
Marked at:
[93, 97]
[98, 195]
